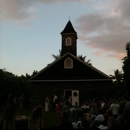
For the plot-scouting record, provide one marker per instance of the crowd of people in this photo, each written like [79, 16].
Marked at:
[95, 114]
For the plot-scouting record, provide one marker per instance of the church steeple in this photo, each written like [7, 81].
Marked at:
[69, 40]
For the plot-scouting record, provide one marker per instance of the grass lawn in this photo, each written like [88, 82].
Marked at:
[49, 117]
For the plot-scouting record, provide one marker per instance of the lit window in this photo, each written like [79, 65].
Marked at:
[68, 63]
[68, 41]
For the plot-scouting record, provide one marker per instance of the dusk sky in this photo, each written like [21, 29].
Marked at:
[30, 32]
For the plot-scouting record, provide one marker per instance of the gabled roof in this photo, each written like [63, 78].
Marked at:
[68, 29]
[52, 72]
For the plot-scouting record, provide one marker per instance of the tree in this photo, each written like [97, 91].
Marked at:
[83, 58]
[57, 56]
[79, 56]
[117, 78]
[11, 83]
[126, 68]
[34, 73]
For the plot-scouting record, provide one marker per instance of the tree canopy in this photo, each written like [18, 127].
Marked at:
[11, 83]
[126, 68]
[83, 58]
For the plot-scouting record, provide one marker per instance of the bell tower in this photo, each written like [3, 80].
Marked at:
[69, 40]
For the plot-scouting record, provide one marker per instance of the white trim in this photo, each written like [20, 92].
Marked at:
[71, 63]
[75, 80]
[68, 41]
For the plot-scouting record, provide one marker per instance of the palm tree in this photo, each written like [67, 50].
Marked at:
[83, 59]
[79, 56]
[117, 78]
[57, 56]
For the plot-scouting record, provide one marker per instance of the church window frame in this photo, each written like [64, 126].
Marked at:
[68, 63]
[68, 41]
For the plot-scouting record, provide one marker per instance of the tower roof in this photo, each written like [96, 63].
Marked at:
[68, 29]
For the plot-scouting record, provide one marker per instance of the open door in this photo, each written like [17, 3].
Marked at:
[74, 94]
[67, 94]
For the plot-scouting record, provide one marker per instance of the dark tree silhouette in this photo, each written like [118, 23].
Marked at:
[11, 83]
[34, 73]
[57, 56]
[117, 78]
[126, 68]
[83, 58]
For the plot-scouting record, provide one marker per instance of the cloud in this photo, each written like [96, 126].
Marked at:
[107, 29]
[22, 9]
[111, 54]
[111, 26]
[124, 9]
[117, 55]
[15, 9]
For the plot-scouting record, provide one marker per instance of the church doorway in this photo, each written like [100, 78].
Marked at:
[67, 94]
[72, 96]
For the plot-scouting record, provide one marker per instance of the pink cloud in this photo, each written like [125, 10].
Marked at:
[98, 52]
[112, 30]
[118, 55]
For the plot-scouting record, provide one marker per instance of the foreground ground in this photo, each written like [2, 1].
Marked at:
[22, 119]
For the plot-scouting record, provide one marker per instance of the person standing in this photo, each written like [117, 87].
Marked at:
[36, 121]
[63, 98]
[66, 106]
[99, 118]
[114, 108]
[9, 115]
[111, 121]
[47, 100]
[21, 102]
[70, 100]
[58, 109]
[65, 123]
[126, 115]
[54, 101]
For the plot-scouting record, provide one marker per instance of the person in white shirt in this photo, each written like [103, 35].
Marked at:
[102, 104]
[47, 100]
[99, 118]
[54, 98]
[54, 101]
[114, 107]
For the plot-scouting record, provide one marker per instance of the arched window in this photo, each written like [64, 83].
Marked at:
[68, 63]
[68, 41]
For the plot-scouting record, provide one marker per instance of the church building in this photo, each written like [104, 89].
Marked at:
[69, 75]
